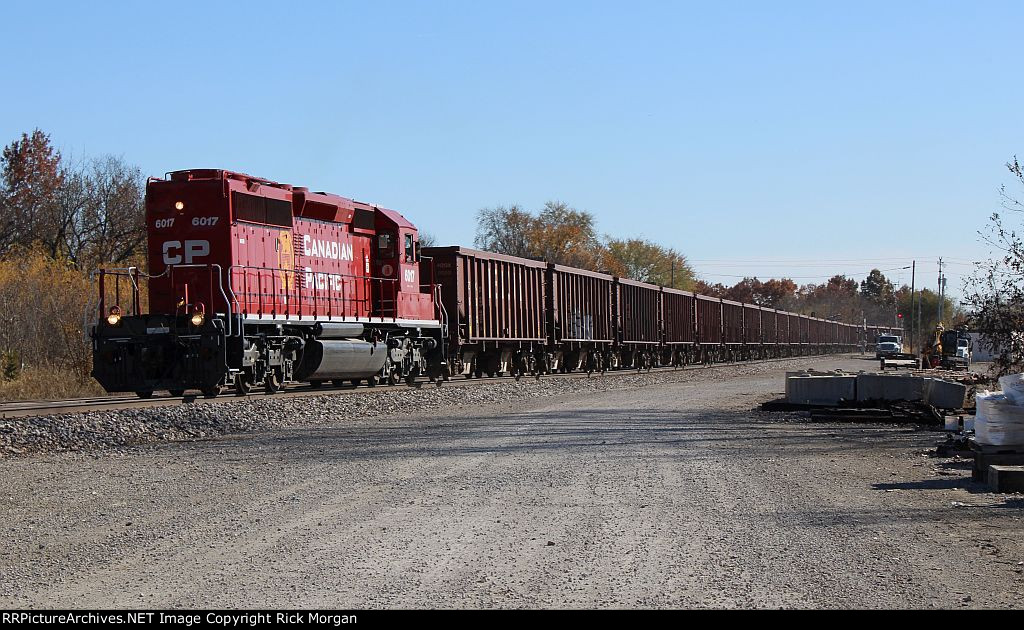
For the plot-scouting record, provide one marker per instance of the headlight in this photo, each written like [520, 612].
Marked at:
[198, 318]
[114, 318]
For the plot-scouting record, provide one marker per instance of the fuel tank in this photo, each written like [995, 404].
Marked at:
[329, 359]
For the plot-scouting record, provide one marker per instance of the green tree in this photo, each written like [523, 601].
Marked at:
[877, 287]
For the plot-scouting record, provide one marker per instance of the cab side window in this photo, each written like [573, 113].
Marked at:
[386, 245]
[410, 253]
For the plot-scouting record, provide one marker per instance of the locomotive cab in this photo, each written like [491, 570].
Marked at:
[397, 265]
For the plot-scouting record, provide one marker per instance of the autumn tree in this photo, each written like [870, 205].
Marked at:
[91, 213]
[558, 234]
[774, 293]
[30, 178]
[566, 236]
[703, 287]
[647, 261]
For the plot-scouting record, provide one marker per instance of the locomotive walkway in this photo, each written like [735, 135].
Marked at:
[675, 494]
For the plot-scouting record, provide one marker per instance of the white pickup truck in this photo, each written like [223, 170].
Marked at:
[887, 346]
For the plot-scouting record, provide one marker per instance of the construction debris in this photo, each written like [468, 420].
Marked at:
[866, 389]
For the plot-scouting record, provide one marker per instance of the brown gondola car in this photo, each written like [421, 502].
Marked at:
[752, 339]
[732, 327]
[496, 309]
[580, 318]
[709, 327]
[678, 310]
[770, 331]
[638, 312]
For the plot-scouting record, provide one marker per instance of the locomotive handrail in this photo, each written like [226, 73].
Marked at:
[316, 298]
[220, 284]
[133, 272]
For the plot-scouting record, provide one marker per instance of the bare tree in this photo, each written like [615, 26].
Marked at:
[996, 292]
[505, 230]
[112, 223]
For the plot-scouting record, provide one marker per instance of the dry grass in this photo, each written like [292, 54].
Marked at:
[48, 384]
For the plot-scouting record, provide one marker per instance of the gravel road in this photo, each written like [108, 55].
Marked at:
[665, 490]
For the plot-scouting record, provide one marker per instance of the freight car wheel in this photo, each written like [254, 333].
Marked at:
[372, 381]
[242, 384]
[177, 393]
[272, 381]
[211, 392]
[338, 382]
[315, 384]
[144, 395]
[355, 382]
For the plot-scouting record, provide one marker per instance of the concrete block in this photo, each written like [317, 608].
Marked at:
[1006, 478]
[821, 390]
[944, 394]
[889, 387]
[984, 461]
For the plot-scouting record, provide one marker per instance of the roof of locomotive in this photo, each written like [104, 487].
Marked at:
[216, 173]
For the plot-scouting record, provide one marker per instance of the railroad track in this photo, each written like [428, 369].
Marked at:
[29, 408]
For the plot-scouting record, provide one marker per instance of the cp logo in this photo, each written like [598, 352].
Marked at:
[192, 250]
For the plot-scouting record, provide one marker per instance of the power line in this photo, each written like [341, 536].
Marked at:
[826, 276]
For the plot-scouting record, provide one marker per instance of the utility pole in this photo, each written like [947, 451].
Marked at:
[942, 290]
[913, 302]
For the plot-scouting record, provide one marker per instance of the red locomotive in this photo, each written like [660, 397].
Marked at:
[255, 282]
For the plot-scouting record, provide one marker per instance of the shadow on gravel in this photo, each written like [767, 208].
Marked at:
[957, 513]
[948, 483]
[673, 434]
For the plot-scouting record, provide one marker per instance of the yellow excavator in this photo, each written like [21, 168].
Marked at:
[949, 349]
[931, 352]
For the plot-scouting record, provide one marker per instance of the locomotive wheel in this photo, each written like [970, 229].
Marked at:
[177, 393]
[211, 392]
[144, 394]
[242, 384]
[272, 381]
[393, 377]
[410, 378]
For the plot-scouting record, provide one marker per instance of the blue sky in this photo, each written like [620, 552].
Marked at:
[784, 138]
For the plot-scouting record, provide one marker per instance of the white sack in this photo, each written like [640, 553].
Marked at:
[998, 422]
[1013, 387]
